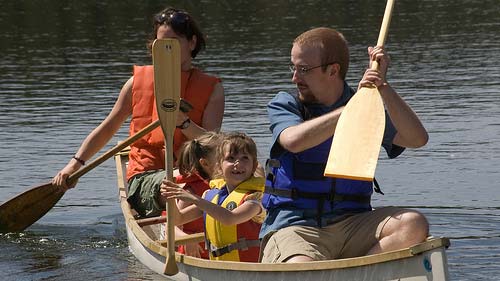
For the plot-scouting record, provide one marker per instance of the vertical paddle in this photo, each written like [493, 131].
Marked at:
[360, 129]
[167, 79]
[26, 208]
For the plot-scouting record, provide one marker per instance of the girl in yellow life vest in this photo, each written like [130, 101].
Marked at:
[232, 208]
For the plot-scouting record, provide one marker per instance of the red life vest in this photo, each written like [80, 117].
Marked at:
[198, 185]
[148, 153]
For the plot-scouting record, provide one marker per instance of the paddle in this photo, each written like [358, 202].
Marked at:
[26, 208]
[167, 78]
[360, 129]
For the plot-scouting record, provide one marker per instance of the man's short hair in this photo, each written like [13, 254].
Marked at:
[331, 44]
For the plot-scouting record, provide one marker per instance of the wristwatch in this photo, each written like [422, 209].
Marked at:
[184, 124]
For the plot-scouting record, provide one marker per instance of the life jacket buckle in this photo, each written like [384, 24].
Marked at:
[271, 164]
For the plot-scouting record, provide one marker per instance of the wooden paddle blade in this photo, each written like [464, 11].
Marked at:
[360, 129]
[167, 79]
[358, 136]
[26, 208]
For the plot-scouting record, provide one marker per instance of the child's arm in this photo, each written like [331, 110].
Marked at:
[188, 214]
[241, 214]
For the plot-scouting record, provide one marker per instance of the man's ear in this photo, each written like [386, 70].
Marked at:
[334, 69]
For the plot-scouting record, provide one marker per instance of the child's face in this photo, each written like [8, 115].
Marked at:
[237, 167]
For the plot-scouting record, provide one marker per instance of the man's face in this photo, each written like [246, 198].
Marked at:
[309, 78]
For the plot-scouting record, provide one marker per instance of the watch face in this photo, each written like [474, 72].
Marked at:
[184, 124]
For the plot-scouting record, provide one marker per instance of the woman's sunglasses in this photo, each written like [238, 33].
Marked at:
[179, 21]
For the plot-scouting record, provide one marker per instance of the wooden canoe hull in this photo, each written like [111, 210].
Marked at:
[425, 261]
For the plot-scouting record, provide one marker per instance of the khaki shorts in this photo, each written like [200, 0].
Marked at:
[351, 237]
[144, 193]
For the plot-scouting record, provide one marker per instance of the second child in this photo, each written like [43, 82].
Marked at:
[196, 167]
[232, 209]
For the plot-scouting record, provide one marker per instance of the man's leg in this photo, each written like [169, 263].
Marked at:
[381, 230]
[297, 244]
[401, 230]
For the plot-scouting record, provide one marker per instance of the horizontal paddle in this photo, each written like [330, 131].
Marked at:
[167, 79]
[26, 208]
[360, 129]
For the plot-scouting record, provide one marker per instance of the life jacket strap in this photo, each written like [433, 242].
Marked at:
[242, 245]
[294, 193]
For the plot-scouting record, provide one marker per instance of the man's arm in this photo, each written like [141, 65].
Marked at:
[310, 133]
[410, 131]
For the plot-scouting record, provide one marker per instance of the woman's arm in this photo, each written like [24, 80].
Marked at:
[212, 116]
[100, 136]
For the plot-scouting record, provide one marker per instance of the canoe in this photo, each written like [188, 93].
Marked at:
[425, 261]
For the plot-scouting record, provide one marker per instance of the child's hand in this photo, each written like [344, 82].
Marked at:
[170, 190]
[193, 249]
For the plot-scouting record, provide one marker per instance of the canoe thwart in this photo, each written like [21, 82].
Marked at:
[190, 238]
[151, 220]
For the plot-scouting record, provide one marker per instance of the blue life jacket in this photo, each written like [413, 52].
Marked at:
[296, 180]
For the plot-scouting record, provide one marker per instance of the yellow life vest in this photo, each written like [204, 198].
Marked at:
[233, 242]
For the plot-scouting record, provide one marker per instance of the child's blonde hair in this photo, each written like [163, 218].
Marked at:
[235, 143]
[192, 151]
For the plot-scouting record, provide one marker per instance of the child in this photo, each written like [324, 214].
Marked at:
[196, 167]
[232, 209]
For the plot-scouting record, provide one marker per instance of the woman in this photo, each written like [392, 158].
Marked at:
[136, 99]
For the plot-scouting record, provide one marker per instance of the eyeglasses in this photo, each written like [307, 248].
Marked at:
[304, 70]
[179, 21]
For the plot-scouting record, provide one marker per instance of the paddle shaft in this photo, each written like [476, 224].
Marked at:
[383, 29]
[184, 106]
[117, 148]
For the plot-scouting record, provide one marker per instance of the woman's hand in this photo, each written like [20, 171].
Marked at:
[181, 117]
[61, 179]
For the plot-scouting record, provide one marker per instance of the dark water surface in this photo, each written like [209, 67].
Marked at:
[64, 62]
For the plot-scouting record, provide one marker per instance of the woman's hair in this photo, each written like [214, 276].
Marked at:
[192, 151]
[234, 143]
[182, 23]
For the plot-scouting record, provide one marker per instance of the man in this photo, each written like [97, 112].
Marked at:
[311, 217]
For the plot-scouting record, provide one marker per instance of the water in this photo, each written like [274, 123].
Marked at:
[64, 62]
